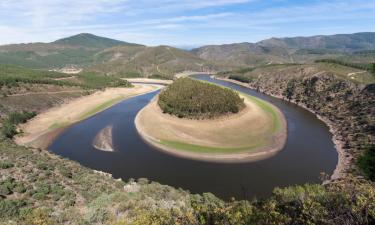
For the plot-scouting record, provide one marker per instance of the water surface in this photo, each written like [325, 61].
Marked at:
[308, 152]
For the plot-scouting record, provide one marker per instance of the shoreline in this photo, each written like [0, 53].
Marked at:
[343, 163]
[42, 130]
[278, 141]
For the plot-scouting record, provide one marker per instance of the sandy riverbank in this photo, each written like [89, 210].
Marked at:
[41, 130]
[343, 164]
[149, 81]
[247, 136]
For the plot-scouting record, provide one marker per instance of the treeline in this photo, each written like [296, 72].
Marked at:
[367, 162]
[198, 100]
[370, 67]
[8, 128]
[240, 78]
[12, 76]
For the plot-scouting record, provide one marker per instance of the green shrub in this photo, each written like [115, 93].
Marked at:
[8, 129]
[6, 165]
[158, 76]
[240, 78]
[198, 100]
[10, 208]
[367, 162]
[20, 188]
[9, 124]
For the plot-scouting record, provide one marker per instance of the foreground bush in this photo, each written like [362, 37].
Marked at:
[367, 162]
[8, 128]
[240, 78]
[195, 99]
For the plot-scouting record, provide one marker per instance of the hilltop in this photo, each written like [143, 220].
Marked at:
[90, 41]
[76, 50]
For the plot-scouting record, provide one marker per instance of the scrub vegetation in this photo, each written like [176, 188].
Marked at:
[12, 76]
[37, 187]
[8, 128]
[187, 98]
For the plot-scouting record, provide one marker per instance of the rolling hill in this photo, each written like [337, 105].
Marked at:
[339, 42]
[125, 59]
[289, 50]
[160, 61]
[76, 50]
[91, 41]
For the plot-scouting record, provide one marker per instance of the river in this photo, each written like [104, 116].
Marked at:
[308, 152]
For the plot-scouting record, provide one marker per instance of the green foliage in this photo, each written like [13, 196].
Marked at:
[289, 91]
[367, 162]
[195, 99]
[362, 66]
[6, 165]
[97, 81]
[9, 124]
[158, 76]
[10, 209]
[7, 186]
[240, 78]
[11, 76]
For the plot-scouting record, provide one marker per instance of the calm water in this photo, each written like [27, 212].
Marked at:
[308, 152]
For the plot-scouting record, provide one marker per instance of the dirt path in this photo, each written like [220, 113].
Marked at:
[351, 75]
[40, 131]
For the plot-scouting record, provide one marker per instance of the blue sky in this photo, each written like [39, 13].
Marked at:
[181, 22]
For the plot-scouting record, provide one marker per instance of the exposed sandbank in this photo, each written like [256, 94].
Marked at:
[103, 140]
[149, 81]
[41, 130]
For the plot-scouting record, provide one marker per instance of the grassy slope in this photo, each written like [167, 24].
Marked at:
[131, 61]
[76, 50]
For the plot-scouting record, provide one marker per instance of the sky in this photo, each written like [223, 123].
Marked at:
[182, 23]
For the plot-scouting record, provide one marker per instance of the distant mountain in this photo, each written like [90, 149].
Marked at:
[90, 41]
[339, 42]
[242, 54]
[76, 50]
[287, 50]
[118, 57]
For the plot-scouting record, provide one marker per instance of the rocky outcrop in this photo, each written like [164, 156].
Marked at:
[346, 107]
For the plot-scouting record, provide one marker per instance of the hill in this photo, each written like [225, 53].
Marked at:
[77, 50]
[242, 54]
[339, 42]
[135, 61]
[289, 50]
[90, 41]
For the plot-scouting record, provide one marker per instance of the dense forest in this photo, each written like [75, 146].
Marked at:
[198, 100]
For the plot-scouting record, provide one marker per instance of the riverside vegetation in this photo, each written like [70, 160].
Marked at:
[194, 99]
[347, 104]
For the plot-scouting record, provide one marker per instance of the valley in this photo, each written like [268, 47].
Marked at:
[283, 132]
